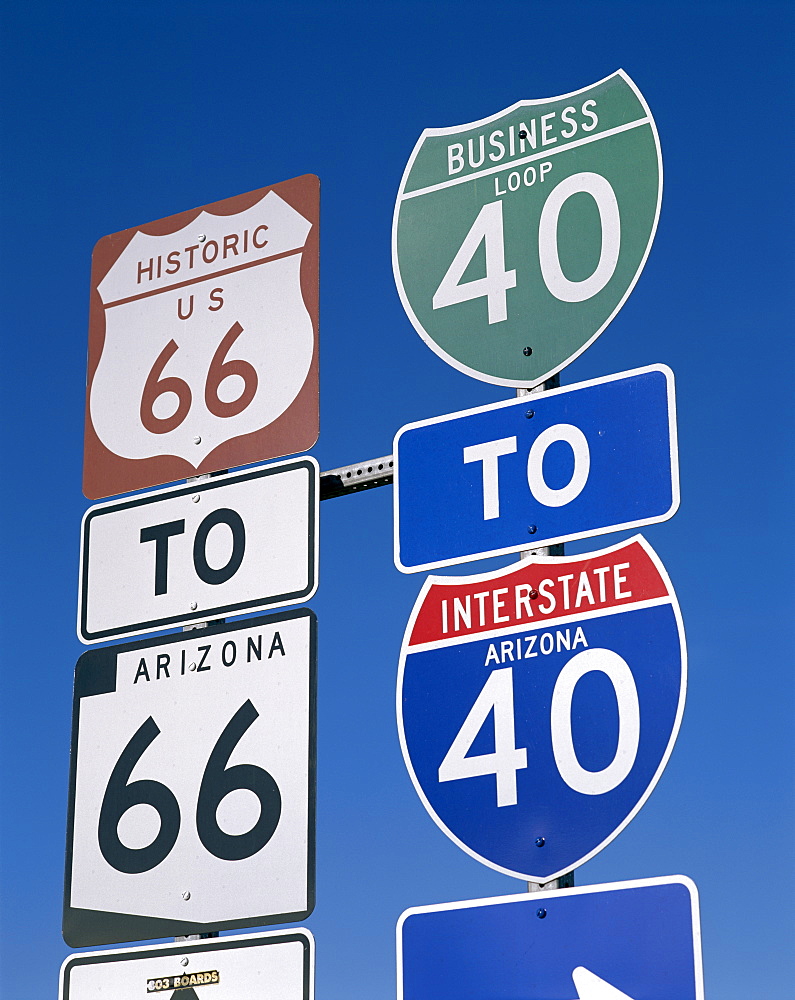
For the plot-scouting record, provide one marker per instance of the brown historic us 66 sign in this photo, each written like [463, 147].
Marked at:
[202, 350]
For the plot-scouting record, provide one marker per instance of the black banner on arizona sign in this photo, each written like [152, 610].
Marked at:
[538, 705]
[192, 783]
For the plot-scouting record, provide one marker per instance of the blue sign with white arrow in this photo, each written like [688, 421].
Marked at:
[545, 468]
[622, 941]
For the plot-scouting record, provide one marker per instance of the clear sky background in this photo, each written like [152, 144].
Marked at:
[117, 114]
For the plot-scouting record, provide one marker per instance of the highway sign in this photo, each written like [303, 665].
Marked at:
[560, 465]
[202, 351]
[622, 941]
[227, 545]
[538, 704]
[259, 966]
[192, 782]
[517, 238]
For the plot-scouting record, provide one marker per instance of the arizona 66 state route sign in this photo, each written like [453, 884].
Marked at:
[517, 238]
[192, 783]
[202, 350]
[538, 705]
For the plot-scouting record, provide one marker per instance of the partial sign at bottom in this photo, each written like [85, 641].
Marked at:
[636, 940]
[255, 966]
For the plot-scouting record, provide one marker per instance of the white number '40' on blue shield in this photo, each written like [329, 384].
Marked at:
[538, 704]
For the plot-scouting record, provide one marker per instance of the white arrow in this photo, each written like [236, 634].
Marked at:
[591, 987]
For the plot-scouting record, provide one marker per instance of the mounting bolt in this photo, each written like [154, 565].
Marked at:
[197, 440]
[541, 913]
[540, 841]
[183, 961]
[192, 666]
[533, 595]
[186, 894]
[196, 497]
[202, 238]
[193, 605]
[527, 351]
[530, 414]
[531, 529]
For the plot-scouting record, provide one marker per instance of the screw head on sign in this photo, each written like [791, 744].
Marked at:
[531, 529]
[193, 605]
[196, 497]
[540, 841]
[533, 594]
[202, 238]
[191, 666]
[186, 894]
[541, 913]
[530, 414]
[183, 961]
[197, 440]
[527, 351]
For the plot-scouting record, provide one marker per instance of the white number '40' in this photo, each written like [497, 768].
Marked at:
[497, 696]
[488, 228]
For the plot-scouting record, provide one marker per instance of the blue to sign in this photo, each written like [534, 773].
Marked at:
[545, 468]
[623, 941]
[538, 704]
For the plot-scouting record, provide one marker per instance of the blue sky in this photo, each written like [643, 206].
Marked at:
[120, 114]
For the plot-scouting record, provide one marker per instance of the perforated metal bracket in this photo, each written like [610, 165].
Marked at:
[354, 478]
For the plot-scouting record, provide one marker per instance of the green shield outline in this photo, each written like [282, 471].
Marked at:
[573, 330]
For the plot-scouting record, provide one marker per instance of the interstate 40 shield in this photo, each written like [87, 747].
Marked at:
[517, 238]
[538, 705]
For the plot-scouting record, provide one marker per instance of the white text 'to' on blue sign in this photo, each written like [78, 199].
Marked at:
[549, 467]
[636, 940]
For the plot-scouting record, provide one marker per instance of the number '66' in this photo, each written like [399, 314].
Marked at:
[217, 782]
[157, 386]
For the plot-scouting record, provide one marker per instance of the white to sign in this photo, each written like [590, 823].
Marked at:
[279, 965]
[203, 340]
[232, 544]
[192, 782]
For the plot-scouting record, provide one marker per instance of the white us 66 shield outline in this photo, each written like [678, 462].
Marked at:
[538, 705]
[517, 238]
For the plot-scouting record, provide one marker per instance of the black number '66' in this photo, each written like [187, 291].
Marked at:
[217, 782]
